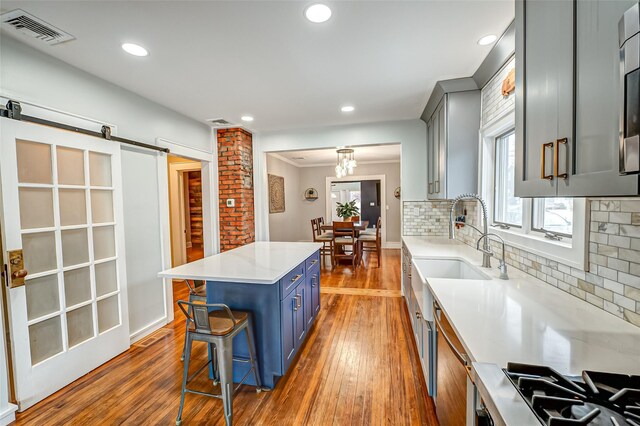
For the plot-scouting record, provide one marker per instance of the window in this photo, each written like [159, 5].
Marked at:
[507, 207]
[553, 215]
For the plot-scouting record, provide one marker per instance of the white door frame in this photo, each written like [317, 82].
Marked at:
[210, 210]
[383, 197]
[176, 196]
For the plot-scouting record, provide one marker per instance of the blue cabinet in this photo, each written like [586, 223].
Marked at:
[288, 311]
[282, 314]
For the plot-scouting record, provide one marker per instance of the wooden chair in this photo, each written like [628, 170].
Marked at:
[344, 236]
[325, 238]
[372, 243]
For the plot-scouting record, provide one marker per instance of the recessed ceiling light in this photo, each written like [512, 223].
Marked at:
[246, 118]
[318, 13]
[134, 49]
[347, 108]
[488, 39]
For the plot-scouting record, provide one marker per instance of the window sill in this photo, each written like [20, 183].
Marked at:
[571, 252]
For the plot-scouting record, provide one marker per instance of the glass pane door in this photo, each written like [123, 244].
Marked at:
[61, 204]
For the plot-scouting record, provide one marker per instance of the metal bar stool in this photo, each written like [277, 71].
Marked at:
[217, 325]
[197, 293]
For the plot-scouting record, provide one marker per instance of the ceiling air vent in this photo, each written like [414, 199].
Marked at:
[219, 122]
[29, 25]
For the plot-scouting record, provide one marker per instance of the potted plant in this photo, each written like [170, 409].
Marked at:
[346, 210]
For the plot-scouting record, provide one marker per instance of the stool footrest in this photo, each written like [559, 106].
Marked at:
[199, 370]
[214, 395]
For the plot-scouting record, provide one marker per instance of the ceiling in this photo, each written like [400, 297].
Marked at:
[328, 157]
[212, 59]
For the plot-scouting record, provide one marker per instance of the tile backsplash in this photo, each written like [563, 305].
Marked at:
[613, 280]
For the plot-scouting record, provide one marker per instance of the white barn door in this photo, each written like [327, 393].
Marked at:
[61, 204]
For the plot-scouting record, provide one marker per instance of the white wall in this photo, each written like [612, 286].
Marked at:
[290, 224]
[294, 224]
[34, 78]
[411, 134]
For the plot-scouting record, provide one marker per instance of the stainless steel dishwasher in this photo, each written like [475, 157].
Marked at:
[451, 369]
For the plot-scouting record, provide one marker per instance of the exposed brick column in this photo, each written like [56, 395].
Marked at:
[235, 177]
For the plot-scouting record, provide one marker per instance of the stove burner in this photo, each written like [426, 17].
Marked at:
[602, 399]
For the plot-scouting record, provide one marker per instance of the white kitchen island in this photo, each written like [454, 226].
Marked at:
[278, 283]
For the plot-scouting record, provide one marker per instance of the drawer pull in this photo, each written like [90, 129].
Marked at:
[463, 358]
[314, 261]
[556, 158]
[296, 278]
[543, 161]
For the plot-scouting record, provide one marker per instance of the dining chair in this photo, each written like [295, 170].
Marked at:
[325, 238]
[344, 237]
[372, 243]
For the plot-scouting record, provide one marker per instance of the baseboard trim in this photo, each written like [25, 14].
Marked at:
[8, 415]
[392, 245]
[147, 330]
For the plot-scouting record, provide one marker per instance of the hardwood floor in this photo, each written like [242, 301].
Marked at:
[357, 367]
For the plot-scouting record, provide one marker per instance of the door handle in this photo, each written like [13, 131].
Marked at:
[556, 158]
[543, 162]
[463, 358]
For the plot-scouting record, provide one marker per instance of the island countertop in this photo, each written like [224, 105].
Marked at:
[258, 263]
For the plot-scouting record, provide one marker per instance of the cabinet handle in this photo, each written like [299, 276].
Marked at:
[299, 297]
[295, 302]
[543, 162]
[314, 277]
[314, 261]
[294, 279]
[437, 186]
[464, 359]
[556, 158]
[418, 316]
[431, 188]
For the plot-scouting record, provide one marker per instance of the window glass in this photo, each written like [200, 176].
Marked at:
[507, 207]
[553, 215]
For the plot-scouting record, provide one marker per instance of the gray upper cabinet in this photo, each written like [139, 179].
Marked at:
[568, 99]
[544, 91]
[452, 145]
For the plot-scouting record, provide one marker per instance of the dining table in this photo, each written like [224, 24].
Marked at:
[360, 225]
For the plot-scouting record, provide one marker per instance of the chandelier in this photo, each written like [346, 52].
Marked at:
[346, 162]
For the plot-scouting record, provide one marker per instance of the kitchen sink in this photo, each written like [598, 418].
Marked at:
[457, 269]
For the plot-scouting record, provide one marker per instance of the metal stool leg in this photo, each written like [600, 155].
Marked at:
[225, 359]
[186, 331]
[214, 363]
[252, 354]
[185, 376]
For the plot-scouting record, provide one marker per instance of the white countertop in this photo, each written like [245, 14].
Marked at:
[525, 320]
[258, 263]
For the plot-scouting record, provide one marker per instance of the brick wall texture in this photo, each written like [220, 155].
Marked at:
[235, 180]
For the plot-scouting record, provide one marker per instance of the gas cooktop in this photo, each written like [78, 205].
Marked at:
[596, 398]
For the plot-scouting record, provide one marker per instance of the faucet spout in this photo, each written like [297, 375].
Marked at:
[486, 258]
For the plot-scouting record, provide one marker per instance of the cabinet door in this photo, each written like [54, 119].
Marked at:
[425, 357]
[591, 161]
[300, 326]
[429, 158]
[289, 313]
[308, 302]
[315, 292]
[544, 91]
[436, 163]
[441, 159]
